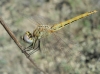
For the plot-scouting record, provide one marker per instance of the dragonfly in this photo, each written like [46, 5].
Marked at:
[42, 31]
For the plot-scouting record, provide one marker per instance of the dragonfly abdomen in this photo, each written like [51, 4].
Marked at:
[63, 24]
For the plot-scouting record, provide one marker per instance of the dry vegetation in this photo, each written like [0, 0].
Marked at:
[75, 49]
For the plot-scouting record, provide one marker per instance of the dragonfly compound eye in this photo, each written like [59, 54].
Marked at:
[28, 37]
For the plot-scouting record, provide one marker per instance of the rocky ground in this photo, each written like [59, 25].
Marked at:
[73, 50]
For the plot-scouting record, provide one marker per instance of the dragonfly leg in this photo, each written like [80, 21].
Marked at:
[36, 49]
[33, 51]
[29, 47]
[39, 46]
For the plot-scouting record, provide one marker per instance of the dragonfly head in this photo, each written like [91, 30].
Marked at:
[27, 37]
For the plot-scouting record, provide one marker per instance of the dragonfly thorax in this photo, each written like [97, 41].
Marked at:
[42, 31]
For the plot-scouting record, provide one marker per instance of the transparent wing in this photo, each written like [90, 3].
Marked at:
[57, 46]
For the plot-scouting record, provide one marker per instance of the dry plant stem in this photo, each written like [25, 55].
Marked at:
[17, 42]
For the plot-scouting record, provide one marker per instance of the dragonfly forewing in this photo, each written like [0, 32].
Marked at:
[42, 31]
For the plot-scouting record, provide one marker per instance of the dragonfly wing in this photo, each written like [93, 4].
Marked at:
[59, 45]
[56, 44]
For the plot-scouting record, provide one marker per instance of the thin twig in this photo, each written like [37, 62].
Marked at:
[18, 43]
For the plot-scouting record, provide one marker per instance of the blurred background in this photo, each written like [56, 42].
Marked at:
[74, 50]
